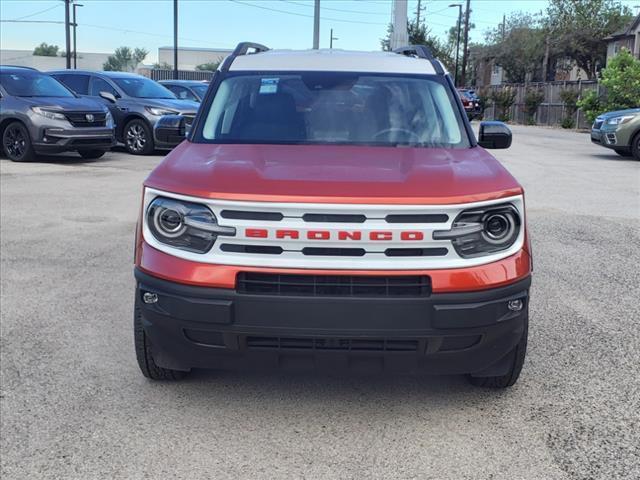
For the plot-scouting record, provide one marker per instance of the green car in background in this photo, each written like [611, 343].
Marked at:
[619, 131]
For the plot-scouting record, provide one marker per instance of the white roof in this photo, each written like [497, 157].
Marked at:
[333, 60]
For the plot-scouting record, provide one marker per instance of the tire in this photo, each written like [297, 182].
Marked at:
[16, 143]
[90, 154]
[138, 137]
[623, 153]
[144, 353]
[511, 377]
[635, 146]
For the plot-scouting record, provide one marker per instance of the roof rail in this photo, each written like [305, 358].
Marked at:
[242, 49]
[421, 51]
[19, 66]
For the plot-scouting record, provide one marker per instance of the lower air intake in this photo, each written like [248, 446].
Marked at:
[333, 285]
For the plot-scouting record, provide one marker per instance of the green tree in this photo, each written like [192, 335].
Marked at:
[519, 47]
[125, 60]
[208, 67]
[579, 29]
[46, 50]
[162, 66]
[419, 34]
[621, 81]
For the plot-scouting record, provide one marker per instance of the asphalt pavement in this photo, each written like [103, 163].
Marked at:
[73, 404]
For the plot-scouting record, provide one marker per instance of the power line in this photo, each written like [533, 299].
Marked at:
[292, 2]
[303, 14]
[39, 12]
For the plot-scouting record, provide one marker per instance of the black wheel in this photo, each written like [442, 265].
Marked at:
[517, 360]
[89, 154]
[16, 143]
[138, 138]
[144, 353]
[623, 153]
[635, 146]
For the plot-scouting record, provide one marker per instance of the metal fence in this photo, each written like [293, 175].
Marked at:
[161, 74]
[552, 111]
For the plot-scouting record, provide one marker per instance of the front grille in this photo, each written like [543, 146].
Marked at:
[348, 344]
[79, 119]
[333, 285]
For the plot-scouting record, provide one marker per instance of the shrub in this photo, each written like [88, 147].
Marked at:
[532, 101]
[570, 99]
[621, 79]
[503, 100]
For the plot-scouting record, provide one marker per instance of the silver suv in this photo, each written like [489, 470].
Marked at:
[39, 115]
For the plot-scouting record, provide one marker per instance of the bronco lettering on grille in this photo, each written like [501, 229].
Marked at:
[343, 235]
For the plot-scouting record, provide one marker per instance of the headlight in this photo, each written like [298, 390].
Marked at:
[620, 120]
[185, 225]
[108, 120]
[483, 231]
[160, 111]
[53, 115]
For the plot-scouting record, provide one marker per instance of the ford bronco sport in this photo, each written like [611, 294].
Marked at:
[333, 210]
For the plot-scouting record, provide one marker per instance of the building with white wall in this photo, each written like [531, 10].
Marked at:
[190, 58]
[25, 58]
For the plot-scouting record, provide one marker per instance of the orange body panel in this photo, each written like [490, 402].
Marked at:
[483, 277]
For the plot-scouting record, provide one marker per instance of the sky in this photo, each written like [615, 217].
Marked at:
[104, 25]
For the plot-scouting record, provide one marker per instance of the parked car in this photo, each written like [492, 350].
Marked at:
[619, 131]
[136, 103]
[39, 115]
[333, 211]
[187, 89]
[470, 102]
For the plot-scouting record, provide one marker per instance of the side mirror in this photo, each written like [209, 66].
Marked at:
[108, 96]
[494, 135]
[170, 129]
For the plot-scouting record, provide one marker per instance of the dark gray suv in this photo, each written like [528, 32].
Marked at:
[136, 103]
[39, 115]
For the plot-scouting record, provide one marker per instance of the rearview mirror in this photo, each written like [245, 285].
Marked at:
[170, 129]
[108, 96]
[494, 135]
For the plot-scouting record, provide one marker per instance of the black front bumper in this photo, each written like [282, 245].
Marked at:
[58, 140]
[452, 333]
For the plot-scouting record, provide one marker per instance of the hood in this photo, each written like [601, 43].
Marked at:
[339, 174]
[68, 104]
[618, 113]
[181, 106]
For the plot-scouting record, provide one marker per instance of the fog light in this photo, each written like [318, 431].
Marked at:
[515, 305]
[149, 297]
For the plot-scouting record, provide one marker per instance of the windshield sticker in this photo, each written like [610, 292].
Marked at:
[268, 85]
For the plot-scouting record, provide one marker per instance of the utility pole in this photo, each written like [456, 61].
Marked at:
[75, 24]
[331, 39]
[465, 53]
[545, 62]
[399, 36]
[67, 32]
[418, 12]
[316, 25]
[459, 5]
[504, 26]
[175, 39]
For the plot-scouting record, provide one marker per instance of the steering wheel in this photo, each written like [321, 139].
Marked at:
[400, 130]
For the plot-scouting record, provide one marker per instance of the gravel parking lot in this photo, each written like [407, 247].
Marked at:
[74, 405]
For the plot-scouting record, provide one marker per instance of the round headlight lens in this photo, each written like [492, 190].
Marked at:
[499, 228]
[169, 222]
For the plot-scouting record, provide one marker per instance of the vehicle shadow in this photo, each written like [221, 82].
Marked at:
[613, 156]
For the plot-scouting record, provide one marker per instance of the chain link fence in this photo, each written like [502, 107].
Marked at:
[162, 74]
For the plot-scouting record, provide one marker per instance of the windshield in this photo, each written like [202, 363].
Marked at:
[140, 87]
[32, 84]
[200, 90]
[335, 108]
